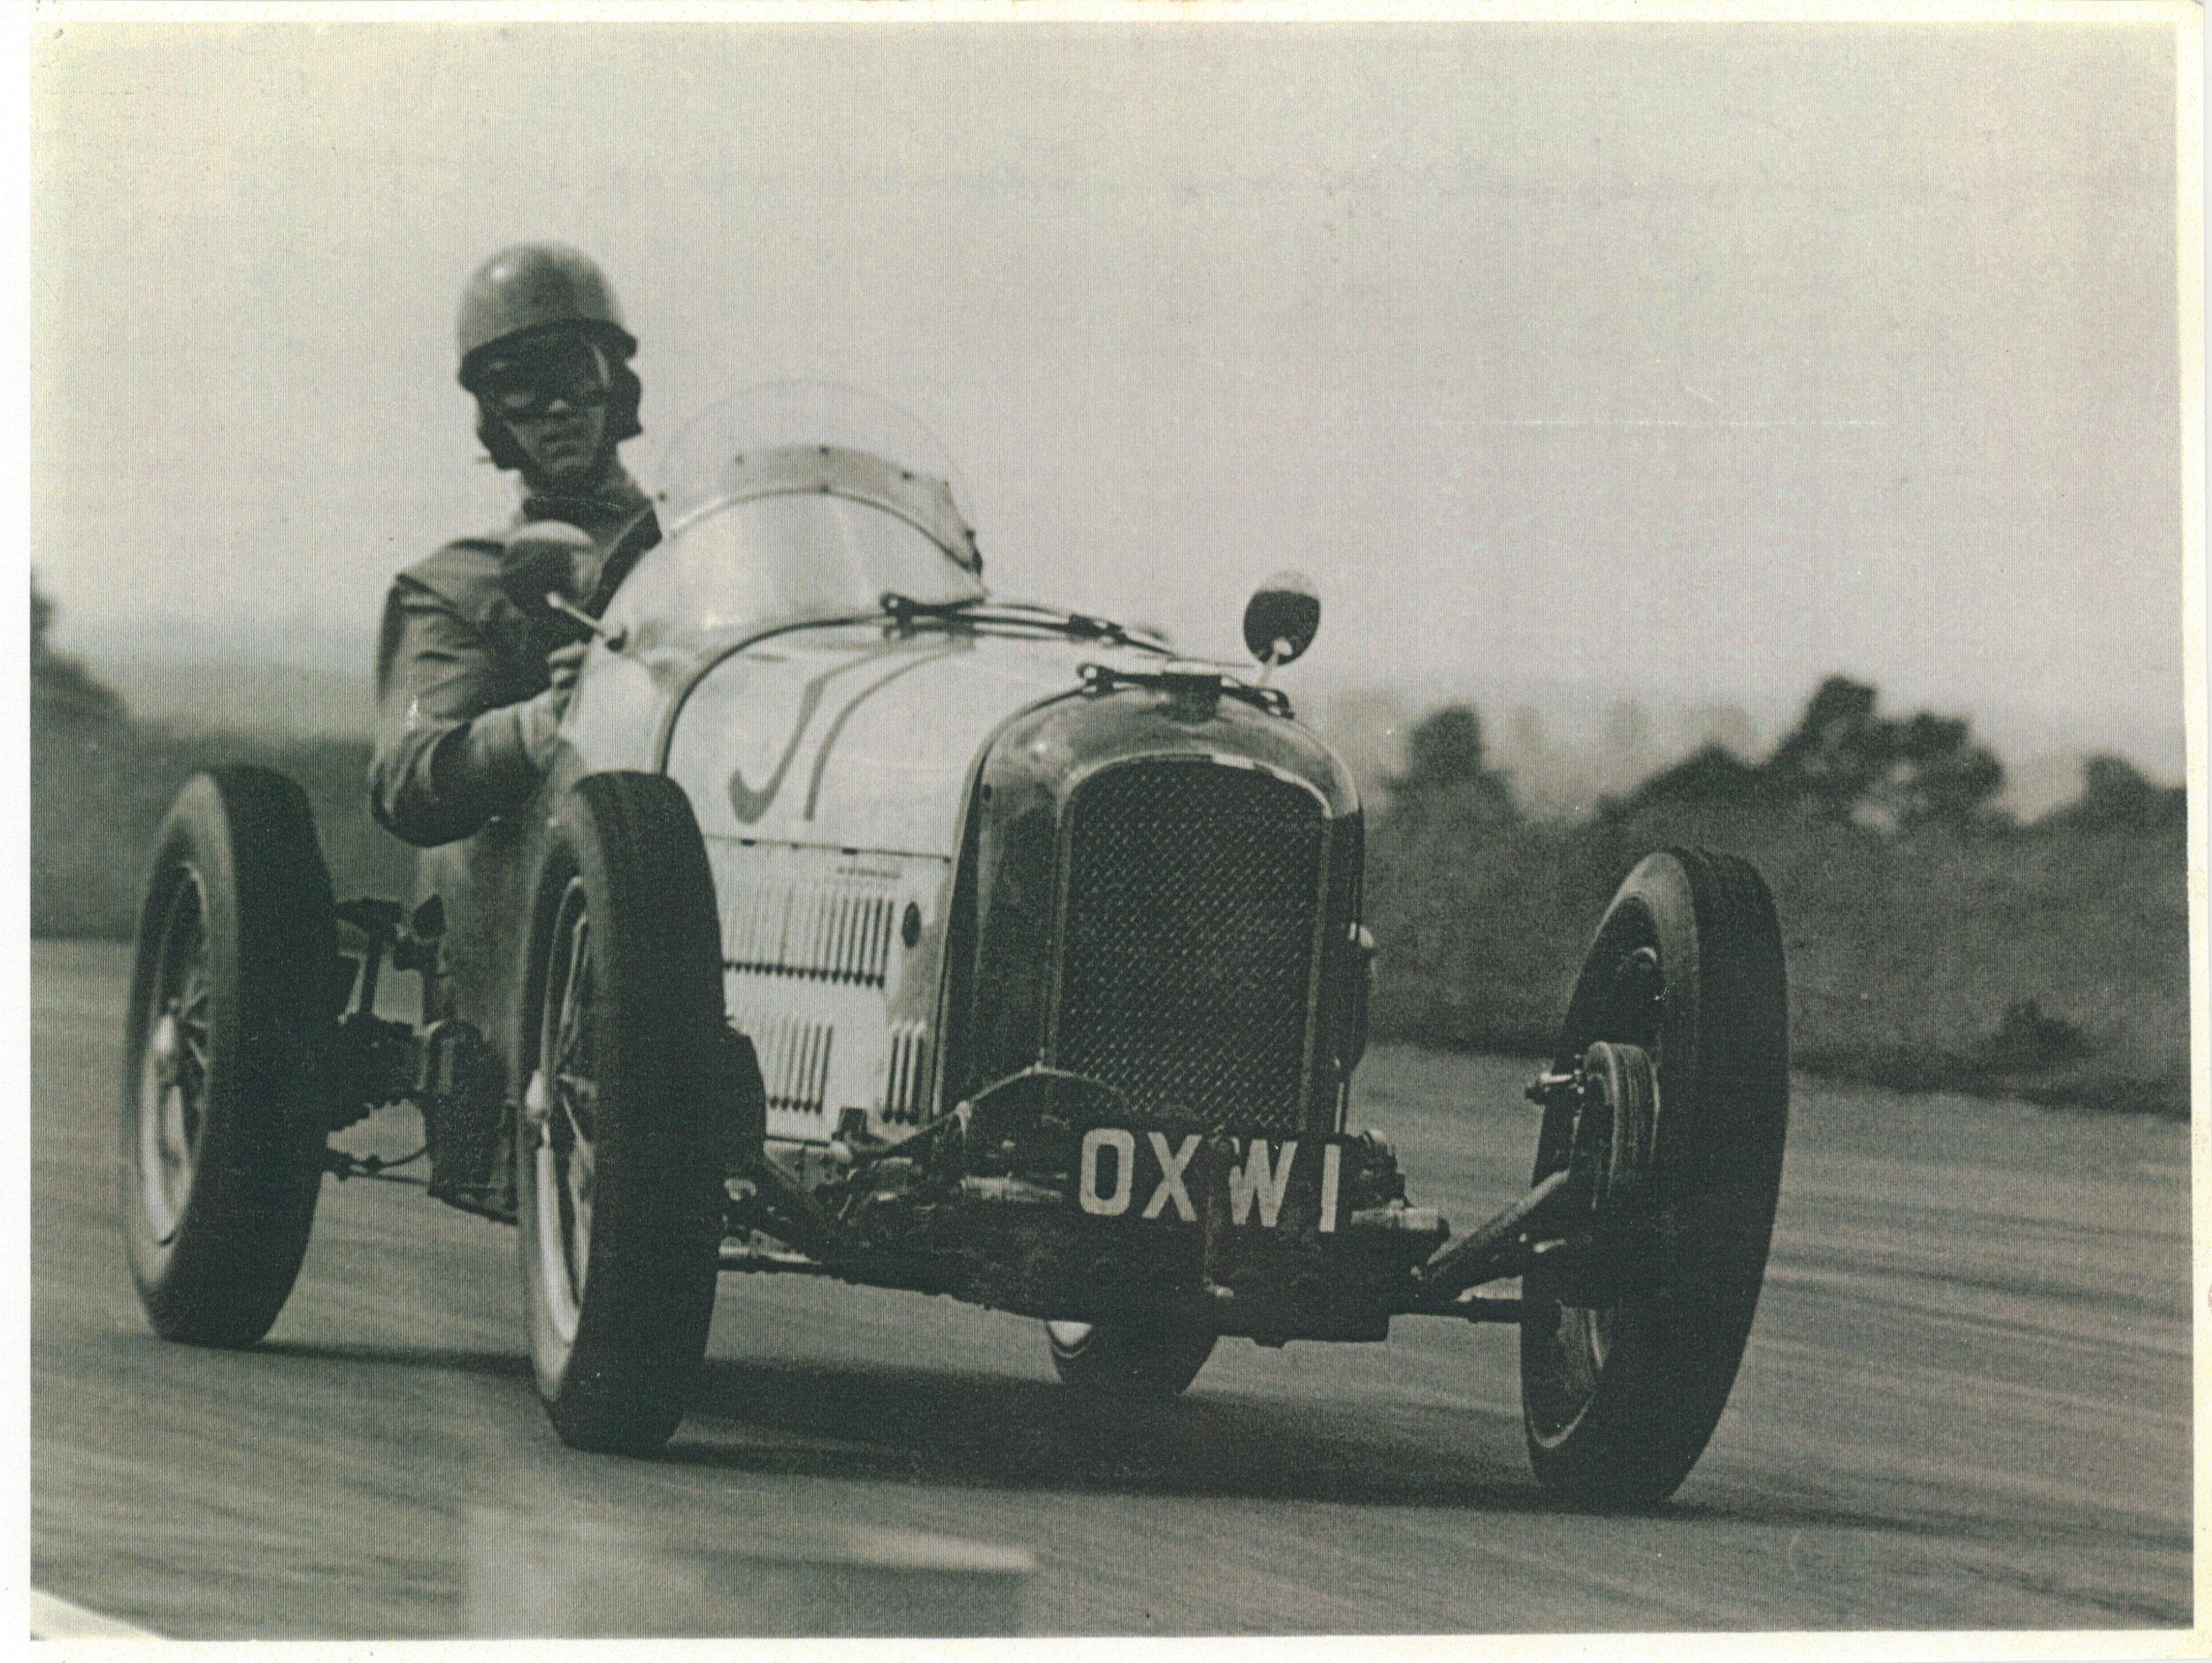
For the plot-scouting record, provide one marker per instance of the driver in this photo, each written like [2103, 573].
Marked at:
[472, 669]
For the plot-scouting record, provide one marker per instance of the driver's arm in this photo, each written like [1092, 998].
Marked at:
[461, 734]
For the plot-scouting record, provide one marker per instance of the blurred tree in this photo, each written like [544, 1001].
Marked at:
[1445, 772]
[1445, 749]
[61, 687]
[2116, 797]
[1937, 775]
[1844, 763]
[1827, 764]
[1712, 774]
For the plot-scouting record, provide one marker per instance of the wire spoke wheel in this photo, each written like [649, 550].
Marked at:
[562, 1148]
[618, 1170]
[222, 1132]
[1680, 1012]
[172, 1076]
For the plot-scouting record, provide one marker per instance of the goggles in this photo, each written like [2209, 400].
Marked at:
[519, 389]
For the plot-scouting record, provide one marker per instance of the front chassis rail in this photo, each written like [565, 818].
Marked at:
[919, 1215]
[1020, 1244]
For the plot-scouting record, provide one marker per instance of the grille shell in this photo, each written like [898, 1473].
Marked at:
[1190, 911]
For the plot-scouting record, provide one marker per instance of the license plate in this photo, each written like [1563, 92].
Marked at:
[1145, 1174]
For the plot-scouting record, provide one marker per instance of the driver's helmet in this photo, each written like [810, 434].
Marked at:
[538, 287]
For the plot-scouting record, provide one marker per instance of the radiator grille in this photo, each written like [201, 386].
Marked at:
[1188, 941]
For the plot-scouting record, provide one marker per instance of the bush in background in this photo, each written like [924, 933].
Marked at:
[1933, 945]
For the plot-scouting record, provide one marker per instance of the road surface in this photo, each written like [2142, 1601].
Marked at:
[1965, 1405]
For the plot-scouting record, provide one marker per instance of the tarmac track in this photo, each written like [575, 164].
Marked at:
[1965, 1405]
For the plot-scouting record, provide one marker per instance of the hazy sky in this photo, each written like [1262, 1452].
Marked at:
[1700, 359]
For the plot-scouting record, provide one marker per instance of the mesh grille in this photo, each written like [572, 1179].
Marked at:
[1189, 940]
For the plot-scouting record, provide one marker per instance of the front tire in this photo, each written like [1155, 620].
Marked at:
[222, 1132]
[620, 1148]
[1148, 1357]
[1618, 1399]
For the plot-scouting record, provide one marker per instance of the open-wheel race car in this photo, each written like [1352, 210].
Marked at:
[875, 927]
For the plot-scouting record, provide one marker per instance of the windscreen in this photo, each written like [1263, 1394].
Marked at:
[800, 501]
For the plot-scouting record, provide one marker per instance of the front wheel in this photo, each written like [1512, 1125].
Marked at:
[620, 1150]
[1679, 1023]
[222, 1133]
[1149, 1357]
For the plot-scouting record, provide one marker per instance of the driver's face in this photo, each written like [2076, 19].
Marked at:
[553, 399]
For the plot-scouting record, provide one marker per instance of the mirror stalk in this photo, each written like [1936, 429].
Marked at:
[614, 637]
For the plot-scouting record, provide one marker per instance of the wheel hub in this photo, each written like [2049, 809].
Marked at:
[162, 1048]
[1616, 1124]
[1616, 1253]
[537, 1106]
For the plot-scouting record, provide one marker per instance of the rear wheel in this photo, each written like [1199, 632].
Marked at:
[1144, 1357]
[222, 1132]
[1680, 1022]
[619, 1153]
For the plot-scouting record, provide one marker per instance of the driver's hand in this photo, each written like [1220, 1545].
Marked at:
[561, 667]
[539, 719]
[538, 725]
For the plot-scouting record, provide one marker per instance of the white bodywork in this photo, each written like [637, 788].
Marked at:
[828, 768]
[827, 749]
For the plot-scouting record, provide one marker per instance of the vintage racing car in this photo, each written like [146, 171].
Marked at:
[876, 927]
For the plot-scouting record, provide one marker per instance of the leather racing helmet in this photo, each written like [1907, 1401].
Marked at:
[533, 289]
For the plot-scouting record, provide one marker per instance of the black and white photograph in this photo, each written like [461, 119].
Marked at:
[1124, 820]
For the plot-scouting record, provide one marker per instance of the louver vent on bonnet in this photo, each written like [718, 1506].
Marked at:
[832, 931]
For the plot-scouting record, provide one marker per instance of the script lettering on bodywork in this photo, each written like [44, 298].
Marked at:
[748, 804]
